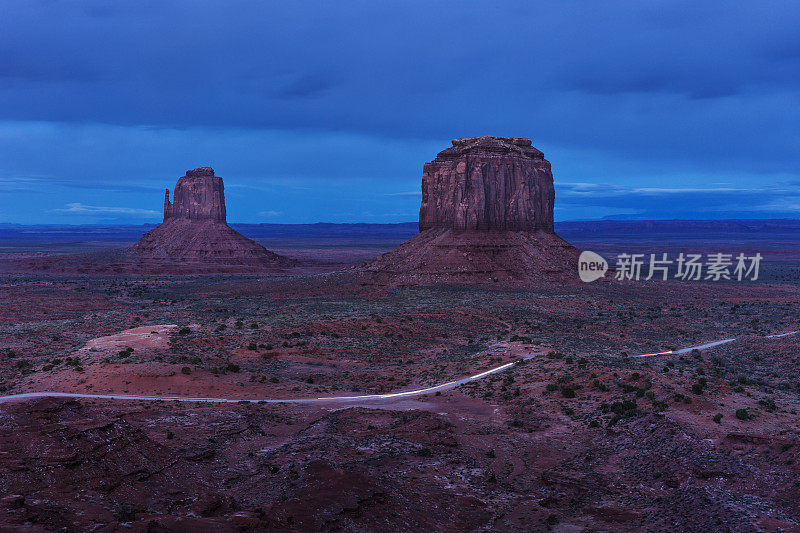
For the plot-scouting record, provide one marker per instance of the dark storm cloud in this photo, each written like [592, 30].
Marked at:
[705, 88]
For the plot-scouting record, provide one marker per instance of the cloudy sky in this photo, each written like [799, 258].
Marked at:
[326, 111]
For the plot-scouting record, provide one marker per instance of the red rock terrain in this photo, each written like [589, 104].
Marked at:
[578, 438]
[486, 217]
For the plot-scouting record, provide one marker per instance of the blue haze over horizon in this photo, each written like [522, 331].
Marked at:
[315, 111]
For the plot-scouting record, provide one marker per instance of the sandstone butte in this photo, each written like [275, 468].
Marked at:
[194, 238]
[195, 232]
[486, 216]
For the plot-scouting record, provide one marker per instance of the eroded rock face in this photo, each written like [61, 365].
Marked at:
[486, 217]
[199, 195]
[488, 183]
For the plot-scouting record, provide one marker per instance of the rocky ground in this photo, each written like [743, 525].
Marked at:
[581, 437]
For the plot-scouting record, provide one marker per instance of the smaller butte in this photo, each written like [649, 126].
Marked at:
[486, 216]
[194, 238]
[195, 234]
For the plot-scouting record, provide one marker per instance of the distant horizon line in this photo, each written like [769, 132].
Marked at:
[17, 224]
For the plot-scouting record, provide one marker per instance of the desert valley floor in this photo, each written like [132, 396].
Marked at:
[579, 437]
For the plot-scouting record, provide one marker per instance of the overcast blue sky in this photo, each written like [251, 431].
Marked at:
[326, 111]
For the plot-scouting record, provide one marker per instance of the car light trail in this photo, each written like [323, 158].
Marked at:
[365, 397]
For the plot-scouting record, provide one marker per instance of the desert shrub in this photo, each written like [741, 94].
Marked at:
[221, 327]
[697, 388]
[678, 397]
[594, 424]
[717, 418]
[623, 408]
[186, 370]
[567, 392]
[490, 454]
[768, 404]
[742, 414]
[551, 387]
[232, 367]
[424, 452]
[252, 347]
[273, 379]
[184, 331]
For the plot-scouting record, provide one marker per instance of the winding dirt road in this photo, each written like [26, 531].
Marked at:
[354, 400]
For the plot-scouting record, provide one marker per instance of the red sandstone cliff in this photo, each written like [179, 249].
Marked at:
[486, 216]
[486, 183]
[199, 195]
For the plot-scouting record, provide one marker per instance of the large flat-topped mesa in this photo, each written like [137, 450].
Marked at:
[488, 183]
[199, 195]
[486, 216]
